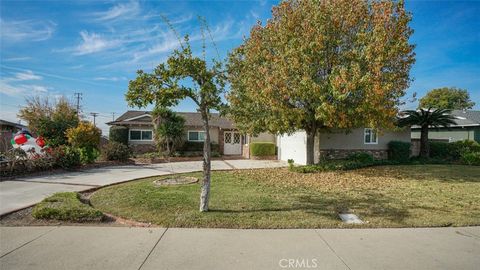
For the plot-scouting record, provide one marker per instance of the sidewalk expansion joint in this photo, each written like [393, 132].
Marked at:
[17, 248]
[229, 164]
[330, 247]
[153, 248]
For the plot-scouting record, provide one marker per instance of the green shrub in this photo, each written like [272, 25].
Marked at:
[85, 135]
[88, 155]
[452, 151]
[116, 151]
[65, 206]
[262, 149]
[361, 157]
[118, 134]
[66, 157]
[471, 158]
[442, 150]
[340, 165]
[399, 151]
[198, 147]
[465, 146]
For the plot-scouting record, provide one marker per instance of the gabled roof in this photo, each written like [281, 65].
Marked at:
[464, 118]
[191, 119]
[12, 124]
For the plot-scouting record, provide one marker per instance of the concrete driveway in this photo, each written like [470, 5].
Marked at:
[159, 248]
[23, 192]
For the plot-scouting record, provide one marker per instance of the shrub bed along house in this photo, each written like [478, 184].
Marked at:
[66, 206]
[399, 151]
[118, 134]
[463, 151]
[262, 149]
[116, 151]
[352, 162]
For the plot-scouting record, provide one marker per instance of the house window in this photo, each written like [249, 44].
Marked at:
[140, 135]
[196, 136]
[370, 136]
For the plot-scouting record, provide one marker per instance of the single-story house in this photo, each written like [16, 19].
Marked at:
[222, 132]
[331, 144]
[467, 127]
[337, 144]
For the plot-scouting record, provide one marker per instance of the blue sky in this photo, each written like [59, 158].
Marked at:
[58, 48]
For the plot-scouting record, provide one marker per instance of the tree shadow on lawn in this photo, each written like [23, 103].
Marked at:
[330, 205]
[444, 173]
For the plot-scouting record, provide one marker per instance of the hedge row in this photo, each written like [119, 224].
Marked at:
[262, 149]
[198, 146]
[119, 134]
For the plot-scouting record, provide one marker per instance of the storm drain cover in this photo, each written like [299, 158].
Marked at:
[350, 218]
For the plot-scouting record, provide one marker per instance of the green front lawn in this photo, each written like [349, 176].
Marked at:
[388, 196]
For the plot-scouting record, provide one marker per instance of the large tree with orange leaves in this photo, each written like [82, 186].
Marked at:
[322, 64]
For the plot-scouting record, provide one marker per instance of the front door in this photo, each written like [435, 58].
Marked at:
[232, 143]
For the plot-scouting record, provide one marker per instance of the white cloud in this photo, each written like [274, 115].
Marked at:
[168, 43]
[9, 113]
[76, 67]
[15, 59]
[15, 86]
[27, 75]
[120, 11]
[112, 79]
[26, 30]
[9, 89]
[38, 88]
[92, 43]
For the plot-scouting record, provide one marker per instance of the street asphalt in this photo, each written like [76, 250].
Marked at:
[176, 249]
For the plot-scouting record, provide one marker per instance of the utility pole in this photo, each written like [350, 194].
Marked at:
[113, 116]
[94, 114]
[78, 97]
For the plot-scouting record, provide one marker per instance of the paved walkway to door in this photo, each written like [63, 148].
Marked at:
[23, 192]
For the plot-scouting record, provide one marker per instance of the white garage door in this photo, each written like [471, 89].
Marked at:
[293, 147]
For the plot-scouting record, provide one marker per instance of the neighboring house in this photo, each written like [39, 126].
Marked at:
[222, 132]
[467, 128]
[7, 130]
[338, 144]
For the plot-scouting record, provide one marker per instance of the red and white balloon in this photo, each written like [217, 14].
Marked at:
[25, 141]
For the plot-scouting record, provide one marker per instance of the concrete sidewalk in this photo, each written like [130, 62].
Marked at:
[176, 249]
[23, 192]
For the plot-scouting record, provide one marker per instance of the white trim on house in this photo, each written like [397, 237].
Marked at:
[137, 117]
[141, 131]
[198, 131]
[372, 131]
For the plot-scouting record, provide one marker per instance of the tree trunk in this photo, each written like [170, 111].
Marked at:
[205, 192]
[424, 147]
[311, 146]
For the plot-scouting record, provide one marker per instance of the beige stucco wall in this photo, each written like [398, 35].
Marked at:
[355, 140]
[451, 135]
[214, 131]
[263, 137]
